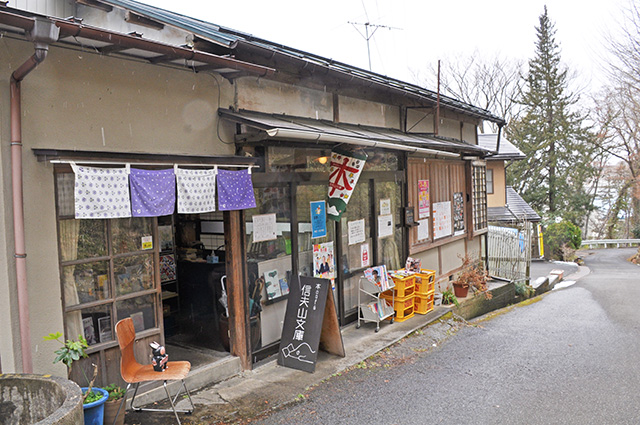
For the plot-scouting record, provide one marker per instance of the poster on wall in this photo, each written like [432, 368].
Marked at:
[441, 219]
[385, 206]
[356, 231]
[323, 266]
[423, 230]
[423, 199]
[318, 219]
[264, 227]
[385, 225]
[458, 213]
[364, 255]
[346, 168]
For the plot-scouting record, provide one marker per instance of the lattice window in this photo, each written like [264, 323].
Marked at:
[479, 197]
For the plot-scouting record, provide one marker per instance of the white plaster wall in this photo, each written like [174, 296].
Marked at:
[420, 120]
[79, 100]
[56, 8]
[450, 255]
[9, 337]
[356, 111]
[257, 94]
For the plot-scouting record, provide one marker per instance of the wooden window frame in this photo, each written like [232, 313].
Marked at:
[157, 331]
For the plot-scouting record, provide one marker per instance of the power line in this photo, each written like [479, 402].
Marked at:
[367, 36]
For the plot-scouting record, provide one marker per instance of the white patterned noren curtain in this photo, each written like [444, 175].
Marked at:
[101, 192]
[196, 190]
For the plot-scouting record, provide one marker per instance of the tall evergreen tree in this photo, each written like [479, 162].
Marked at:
[551, 134]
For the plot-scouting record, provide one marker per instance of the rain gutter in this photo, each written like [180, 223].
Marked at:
[283, 133]
[42, 32]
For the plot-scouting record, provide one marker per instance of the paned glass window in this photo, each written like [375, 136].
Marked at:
[107, 272]
[479, 197]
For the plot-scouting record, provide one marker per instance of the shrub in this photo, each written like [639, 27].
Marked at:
[561, 240]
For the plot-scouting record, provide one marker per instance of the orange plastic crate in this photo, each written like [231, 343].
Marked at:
[425, 281]
[423, 303]
[404, 287]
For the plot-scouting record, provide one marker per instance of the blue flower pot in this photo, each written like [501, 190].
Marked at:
[94, 412]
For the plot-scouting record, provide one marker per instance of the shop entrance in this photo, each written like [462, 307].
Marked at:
[288, 194]
[192, 275]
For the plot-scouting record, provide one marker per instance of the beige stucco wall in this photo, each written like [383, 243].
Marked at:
[498, 198]
[262, 95]
[9, 337]
[356, 111]
[79, 100]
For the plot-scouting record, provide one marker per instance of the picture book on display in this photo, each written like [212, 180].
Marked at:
[413, 265]
[378, 276]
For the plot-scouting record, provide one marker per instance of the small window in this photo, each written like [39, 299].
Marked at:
[479, 197]
[489, 181]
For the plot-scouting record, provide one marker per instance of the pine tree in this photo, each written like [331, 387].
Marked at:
[550, 133]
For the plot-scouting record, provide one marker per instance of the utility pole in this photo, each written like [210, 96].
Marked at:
[368, 36]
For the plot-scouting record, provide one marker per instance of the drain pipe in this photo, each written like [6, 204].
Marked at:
[43, 33]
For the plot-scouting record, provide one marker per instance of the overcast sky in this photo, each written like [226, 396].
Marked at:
[420, 31]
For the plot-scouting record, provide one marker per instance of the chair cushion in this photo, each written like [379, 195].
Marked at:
[174, 370]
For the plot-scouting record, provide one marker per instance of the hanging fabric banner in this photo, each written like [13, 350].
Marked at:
[153, 192]
[235, 190]
[101, 192]
[196, 190]
[345, 172]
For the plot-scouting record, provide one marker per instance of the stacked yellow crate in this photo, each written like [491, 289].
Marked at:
[402, 296]
[424, 291]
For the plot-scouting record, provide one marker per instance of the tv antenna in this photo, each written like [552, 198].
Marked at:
[369, 35]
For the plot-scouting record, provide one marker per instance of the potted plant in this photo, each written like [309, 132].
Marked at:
[448, 297]
[116, 393]
[93, 398]
[473, 275]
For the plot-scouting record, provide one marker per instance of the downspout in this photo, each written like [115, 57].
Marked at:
[42, 34]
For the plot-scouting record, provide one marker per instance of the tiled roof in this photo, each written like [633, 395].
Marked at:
[507, 149]
[516, 209]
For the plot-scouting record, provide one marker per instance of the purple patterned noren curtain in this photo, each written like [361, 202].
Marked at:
[235, 190]
[101, 192]
[153, 192]
[196, 190]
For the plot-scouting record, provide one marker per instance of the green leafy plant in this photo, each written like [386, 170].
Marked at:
[71, 351]
[448, 297]
[115, 392]
[561, 240]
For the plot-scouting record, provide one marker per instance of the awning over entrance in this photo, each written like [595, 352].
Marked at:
[291, 128]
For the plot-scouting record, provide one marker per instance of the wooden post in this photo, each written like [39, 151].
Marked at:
[237, 288]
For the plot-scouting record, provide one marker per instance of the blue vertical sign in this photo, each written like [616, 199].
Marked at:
[318, 219]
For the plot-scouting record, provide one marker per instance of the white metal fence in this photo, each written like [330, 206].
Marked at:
[509, 251]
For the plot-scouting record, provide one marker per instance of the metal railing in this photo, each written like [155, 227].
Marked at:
[596, 243]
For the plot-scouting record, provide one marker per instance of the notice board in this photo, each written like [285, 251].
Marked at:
[310, 324]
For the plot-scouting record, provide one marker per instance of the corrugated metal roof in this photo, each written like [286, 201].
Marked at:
[516, 209]
[273, 122]
[233, 39]
[507, 149]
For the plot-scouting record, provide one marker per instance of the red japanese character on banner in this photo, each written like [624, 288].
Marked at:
[345, 172]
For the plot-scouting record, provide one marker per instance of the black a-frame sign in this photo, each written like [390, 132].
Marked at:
[310, 323]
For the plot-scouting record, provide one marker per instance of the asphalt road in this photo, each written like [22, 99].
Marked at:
[572, 357]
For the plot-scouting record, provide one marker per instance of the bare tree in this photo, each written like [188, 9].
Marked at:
[492, 83]
[618, 110]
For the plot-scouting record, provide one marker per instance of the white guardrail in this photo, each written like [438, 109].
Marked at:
[606, 242]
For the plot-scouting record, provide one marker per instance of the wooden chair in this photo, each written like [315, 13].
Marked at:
[134, 373]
